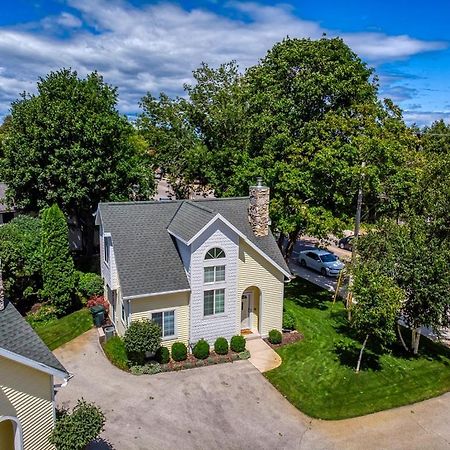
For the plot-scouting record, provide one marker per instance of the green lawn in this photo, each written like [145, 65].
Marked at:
[317, 374]
[59, 331]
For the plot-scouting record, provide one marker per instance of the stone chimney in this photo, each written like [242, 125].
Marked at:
[2, 292]
[258, 210]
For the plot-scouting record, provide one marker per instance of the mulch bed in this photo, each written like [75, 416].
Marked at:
[192, 361]
[289, 337]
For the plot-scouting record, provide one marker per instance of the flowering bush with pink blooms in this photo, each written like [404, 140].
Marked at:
[98, 300]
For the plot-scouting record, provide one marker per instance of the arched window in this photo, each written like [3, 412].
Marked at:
[215, 253]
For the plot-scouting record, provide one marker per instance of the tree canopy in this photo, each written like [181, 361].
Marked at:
[58, 272]
[417, 260]
[377, 309]
[67, 144]
[305, 118]
[21, 260]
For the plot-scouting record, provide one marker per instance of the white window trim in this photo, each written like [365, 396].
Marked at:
[123, 312]
[224, 257]
[208, 283]
[107, 236]
[214, 314]
[175, 330]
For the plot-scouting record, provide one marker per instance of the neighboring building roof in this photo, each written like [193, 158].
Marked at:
[3, 206]
[18, 338]
[146, 255]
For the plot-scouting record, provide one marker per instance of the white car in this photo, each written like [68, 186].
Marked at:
[328, 264]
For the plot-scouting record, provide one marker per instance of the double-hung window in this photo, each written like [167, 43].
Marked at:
[124, 317]
[214, 302]
[213, 274]
[106, 248]
[214, 280]
[166, 321]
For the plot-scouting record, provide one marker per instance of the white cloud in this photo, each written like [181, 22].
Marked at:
[422, 118]
[155, 47]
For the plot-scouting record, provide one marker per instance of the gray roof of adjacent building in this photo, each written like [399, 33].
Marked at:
[145, 251]
[3, 206]
[18, 337]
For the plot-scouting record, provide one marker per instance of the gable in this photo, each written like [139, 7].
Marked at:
[20, 343]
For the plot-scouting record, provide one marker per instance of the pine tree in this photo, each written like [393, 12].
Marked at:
[58, 273]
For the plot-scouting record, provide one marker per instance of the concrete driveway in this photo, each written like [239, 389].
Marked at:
[229, 406]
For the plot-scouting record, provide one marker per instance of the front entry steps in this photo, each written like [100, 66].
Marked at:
[250, 334]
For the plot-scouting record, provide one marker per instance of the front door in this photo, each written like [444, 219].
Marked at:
[245, 311]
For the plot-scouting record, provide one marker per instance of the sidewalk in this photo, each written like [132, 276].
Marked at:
[261, 355]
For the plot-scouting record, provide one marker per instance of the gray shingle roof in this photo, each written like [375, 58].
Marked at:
[17, 336]
[189, 219]
[146, 254]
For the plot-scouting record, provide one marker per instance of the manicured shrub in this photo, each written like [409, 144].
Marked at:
[98, 300]
[201, 349]
[162, 355]
[244, 355]
[146, 369]
[237, 343]
[58, 272]
[275, 337]
[75, 430]
[179, 351]
[45, 313]
[221, 346]
[288, 321]
[140, 337]
[114, 349]
[89, 284]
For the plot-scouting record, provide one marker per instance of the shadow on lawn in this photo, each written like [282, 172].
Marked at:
[307, 295]
[348, 352]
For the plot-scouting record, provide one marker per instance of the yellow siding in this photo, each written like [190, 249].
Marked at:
[120, 327]
[141, 309]
[255, 271]
[26, 393]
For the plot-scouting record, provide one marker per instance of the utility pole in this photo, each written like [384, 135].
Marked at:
[358, 211]
[355, 238]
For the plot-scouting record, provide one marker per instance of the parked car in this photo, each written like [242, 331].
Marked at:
[328, 264]
[346, 243]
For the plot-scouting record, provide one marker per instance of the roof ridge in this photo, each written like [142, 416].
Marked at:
[174, 215]
[202, 207]
[215, 199]
[141, 202]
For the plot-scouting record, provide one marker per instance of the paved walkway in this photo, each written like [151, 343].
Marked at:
[230, 406]
[262, 356]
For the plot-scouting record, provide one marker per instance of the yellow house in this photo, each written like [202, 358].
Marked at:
[199, 268]
[27, 371]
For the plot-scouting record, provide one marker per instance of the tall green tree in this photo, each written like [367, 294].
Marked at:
[415, 257]
[432, 195]
[376, 311]
[68, 144]
[305, 118]
[58, 272]
[20, 255]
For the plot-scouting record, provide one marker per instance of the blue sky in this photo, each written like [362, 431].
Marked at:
[143, 46]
